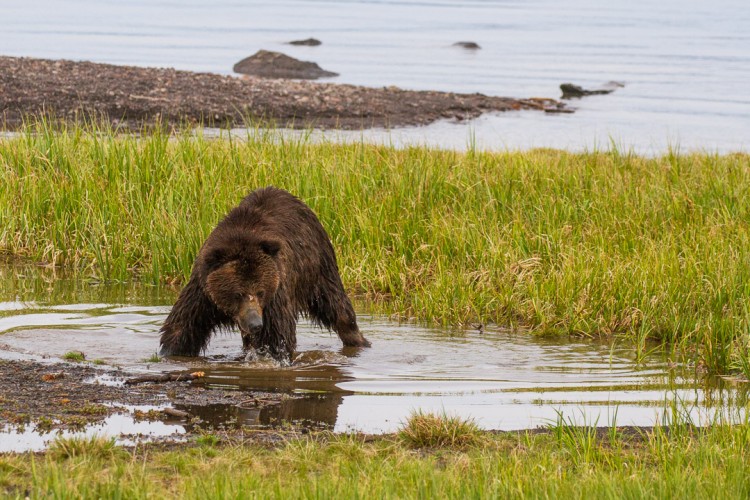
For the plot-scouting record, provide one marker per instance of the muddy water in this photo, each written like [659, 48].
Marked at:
[502, 380]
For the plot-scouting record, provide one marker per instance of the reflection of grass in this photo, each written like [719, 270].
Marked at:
[593, 244]
[650, 463]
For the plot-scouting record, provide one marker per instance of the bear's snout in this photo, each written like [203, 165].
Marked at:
[250, 319]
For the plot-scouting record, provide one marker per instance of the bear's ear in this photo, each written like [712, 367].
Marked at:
[270, 247]
[215, 258]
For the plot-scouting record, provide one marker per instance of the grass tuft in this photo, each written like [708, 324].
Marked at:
[154, 358]
[94, 447]
[74, 356]
[429, 430]
[208, 440]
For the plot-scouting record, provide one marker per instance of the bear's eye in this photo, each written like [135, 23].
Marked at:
[260, 295]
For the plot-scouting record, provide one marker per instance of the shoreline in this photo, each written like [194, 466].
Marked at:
[132, 97]
[75, 398]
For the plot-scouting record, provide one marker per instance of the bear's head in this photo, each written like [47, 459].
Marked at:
[241, 277]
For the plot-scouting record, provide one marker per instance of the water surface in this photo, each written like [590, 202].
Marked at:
[502, 380]
[123, 427]
[685, 63]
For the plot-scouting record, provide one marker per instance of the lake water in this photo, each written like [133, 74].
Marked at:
[685, 64]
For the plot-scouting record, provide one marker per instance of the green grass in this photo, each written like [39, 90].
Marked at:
[90, 447]
[428, 430]
[154, 358]
[74, 356]
[592, 244]
[208, 439]
[657, 463]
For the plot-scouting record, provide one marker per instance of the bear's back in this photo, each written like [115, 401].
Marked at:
[274, 211]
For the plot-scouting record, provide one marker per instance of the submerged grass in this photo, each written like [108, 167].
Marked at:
[74, 356]
[592, 244]
[650, 463]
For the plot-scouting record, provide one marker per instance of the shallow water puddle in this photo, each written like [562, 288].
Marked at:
[124, 427]
[503, 381]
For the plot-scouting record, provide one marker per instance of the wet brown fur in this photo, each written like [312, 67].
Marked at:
[271, 254]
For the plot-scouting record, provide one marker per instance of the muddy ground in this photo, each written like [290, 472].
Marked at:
[133, 96]
[67, 396]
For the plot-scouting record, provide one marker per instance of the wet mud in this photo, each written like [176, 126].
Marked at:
[74, 395]
[43, 401]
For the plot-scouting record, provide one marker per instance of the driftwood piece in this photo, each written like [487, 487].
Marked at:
[165, 377]
[173, 412]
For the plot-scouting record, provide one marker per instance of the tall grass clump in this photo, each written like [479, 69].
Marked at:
[592, 244]
[92, 447]
[431, 430]
[579, 440]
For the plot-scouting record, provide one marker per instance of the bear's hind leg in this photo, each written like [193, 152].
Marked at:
[333, 310]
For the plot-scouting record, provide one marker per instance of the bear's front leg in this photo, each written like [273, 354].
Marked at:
[188, 328]
[277, 337]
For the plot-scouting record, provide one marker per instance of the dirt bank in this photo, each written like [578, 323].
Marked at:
[131, 96]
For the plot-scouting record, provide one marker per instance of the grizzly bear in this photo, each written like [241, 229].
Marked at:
[266, 263]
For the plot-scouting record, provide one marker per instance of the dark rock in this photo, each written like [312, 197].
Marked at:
[309, 42]
[571, 91]
[267, 64]
[467, 45]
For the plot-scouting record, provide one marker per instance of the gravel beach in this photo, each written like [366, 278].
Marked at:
[133, 97]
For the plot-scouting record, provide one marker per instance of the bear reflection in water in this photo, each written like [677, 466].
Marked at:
[318, 412]
[319, 384]
[268, 262]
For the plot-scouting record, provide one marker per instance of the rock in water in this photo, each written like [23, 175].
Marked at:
[468, 45]
[267, 64]
[309, 42]
[571, 91]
